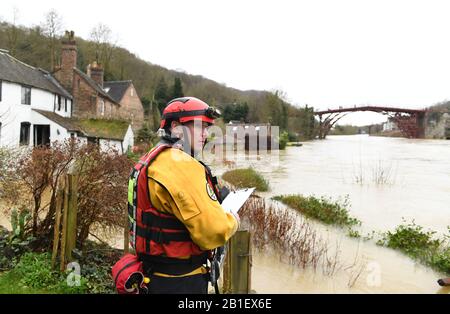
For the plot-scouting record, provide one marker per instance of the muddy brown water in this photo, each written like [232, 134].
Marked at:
[387, 180]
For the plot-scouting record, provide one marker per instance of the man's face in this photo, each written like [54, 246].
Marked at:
[196, 131]
[198, 134]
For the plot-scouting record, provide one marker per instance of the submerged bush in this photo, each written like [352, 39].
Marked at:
[246, 178]
[414, 241]
[323, 209]
[279, 229]
[283, 140]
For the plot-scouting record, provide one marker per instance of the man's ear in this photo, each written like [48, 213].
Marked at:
[174, 124]
[175, 129]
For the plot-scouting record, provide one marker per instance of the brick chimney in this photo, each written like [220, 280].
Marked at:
[95, 72]
[68, 61]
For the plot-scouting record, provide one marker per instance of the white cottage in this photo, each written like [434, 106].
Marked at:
[36, 110]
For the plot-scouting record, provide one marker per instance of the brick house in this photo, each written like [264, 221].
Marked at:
[124, 93]
[36, 110]
[94, 98]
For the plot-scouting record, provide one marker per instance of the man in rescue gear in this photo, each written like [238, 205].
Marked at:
[176, 220]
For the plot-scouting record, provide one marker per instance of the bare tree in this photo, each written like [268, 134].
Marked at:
[12, 32]
[52, 27]
[102, 44]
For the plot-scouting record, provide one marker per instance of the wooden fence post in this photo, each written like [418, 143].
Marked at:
[59, 201]
[62, 265]
[72, 209]
[237, 268]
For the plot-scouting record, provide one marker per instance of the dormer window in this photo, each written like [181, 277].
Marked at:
[26, 95]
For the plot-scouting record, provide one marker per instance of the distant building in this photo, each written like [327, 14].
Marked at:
[94, 98]
[389, 126]
[124, 93]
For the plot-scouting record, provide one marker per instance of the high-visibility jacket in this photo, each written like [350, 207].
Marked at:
[182, 218]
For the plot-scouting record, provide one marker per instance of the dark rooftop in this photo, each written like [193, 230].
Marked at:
[116, 89]
[15, 71]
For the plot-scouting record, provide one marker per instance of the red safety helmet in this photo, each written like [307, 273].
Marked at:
[187, 109]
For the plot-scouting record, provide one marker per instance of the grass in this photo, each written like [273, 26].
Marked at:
[246, 178]
[10, 284]
[104, 128]
[24, 268]
[33, 274]
[412, 240]
[323, 209]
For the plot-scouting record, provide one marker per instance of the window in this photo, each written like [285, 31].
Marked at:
[102, 107]
[26, 95]
[41, 135]
[65, 104]
[59, 102]
[25, 133]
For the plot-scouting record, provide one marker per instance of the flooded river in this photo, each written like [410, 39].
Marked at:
[386, 180]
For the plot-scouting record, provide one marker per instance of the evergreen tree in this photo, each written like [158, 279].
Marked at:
[161, 94]
[177, 90]
[146, 105]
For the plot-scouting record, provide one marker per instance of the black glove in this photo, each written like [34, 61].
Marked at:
[224, 191]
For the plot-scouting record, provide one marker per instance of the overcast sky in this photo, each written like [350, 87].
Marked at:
[322, 53]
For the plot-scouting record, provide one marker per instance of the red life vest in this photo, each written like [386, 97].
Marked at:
[155, 235]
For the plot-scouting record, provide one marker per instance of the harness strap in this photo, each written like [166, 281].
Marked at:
[162, 237]
[151, 220]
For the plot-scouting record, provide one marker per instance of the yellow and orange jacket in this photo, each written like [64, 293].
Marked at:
[178, 186]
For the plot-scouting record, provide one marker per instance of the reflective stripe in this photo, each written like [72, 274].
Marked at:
[131, 184]
[200, 270]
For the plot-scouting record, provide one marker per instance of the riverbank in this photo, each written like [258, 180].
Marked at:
[388, 134]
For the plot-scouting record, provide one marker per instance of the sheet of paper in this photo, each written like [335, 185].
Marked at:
[234, 200]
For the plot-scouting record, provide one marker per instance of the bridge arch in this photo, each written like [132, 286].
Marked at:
[409, 121]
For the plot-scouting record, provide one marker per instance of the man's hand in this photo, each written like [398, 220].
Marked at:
[238, 219]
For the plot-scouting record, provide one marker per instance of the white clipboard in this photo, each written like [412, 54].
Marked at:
[235, 199]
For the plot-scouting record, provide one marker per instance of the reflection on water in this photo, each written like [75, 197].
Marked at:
[387, 180]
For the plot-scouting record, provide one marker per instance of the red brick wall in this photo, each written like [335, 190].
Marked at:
[131, 108]
[64, 73]
[85, 98]
[88, 103]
